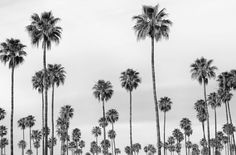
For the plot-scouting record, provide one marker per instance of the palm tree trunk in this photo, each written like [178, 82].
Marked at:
[230, 119]
[67, 150]
[114, 141]
[215, 128]
[12, 108]
[46, 100]
[130, 123]
[155, 99]
[203, 130]
[52, 117]
[185, 144]
[30, 137]
[164, 136]
[104, 117]
[208, 121]
[43, 137]
[22, 150]
[1, 148]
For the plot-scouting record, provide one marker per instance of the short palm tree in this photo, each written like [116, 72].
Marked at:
[2, 114]
[103, 92]
[96, 131]
[130, 80]
[105, 144]
[36, 137]
[57, 77]
[62, 126]
[137, 147]
[81, 144]
[153, 23]
[112, 117]
[22, 146]
[165, 105]
[112, 136]
[12, 52]
[214, 101]
[30, 122]
[3, 132]
[202, 70]
[3, 144]
[43, 29]
[185, 124]
[22, 124]
[76, 135]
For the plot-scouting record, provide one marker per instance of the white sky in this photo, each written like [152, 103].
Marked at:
[98, 42]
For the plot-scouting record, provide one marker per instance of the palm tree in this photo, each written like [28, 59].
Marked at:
[62, 125]
[153, 23]
[72, 147]
[22, 145]
[117, 151]
[185, 124]
[199, 106]
[81, 144]
[76, 135]
[151, 149]
[67, 112]
[3, 132]
[112, 136]
[112, 117]
[30, 122]
[22, 124]
[202, 70]
[2, 114]
[214, 101]
[127, 150]
[37, 82]
[3, 144]
[36, 137]
[57, 77]
[165, 105]
[96, 131]
[52, 142]
[130, 80]
[105, 144]
[103, 92]
[43, 28]
[12, 52]
[137, 147]
[179, 137]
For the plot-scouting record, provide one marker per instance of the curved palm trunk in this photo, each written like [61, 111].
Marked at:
[164, 136]
[12, 108]
[104, 128]
[208, 121]
[130, 123]
[155, 99]
[46, 101]
[43, 137]
[52, 117]
[215, 128]
[230, 119]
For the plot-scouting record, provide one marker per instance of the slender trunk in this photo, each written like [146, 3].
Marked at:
[30, 137]
[230, 119]
[52, 117]
[104, 128]
[12, 108]
[22, 150]
[43, 137]
[215, 128]
[23, 139]
[164, 136]
[46, 100]
[67, 150]
[185, 144]
[208, 121]
[37, 152]
[96, 143]
[155, 99]
[130, 123]
[203, 130]
[114, 140]
[1, 148]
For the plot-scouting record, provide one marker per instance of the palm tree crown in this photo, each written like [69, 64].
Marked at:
[112, 115]
[130, 79]
[37, 81]
[2, 114]
[56, 74]
[214, 100]
[44, 28]
[12, 52]
[96, 131]
[153, 23]
[165, 104]
[103, 90]
[202, 70]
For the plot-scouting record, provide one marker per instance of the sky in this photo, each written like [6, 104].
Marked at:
[98, 42]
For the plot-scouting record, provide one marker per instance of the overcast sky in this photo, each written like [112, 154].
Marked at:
[98, 42]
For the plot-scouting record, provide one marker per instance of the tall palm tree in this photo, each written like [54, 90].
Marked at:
[165, 105]
[57, 77]
[37, 82]
[202, 70]
[185, 124]
[130, 80]
[12, 52]
[2, 114]
[214, 101]
[22, 145]
[112, 117]
[103, 92]
[43, 29]
[30, 122]
[153, 23]
[67, 112]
